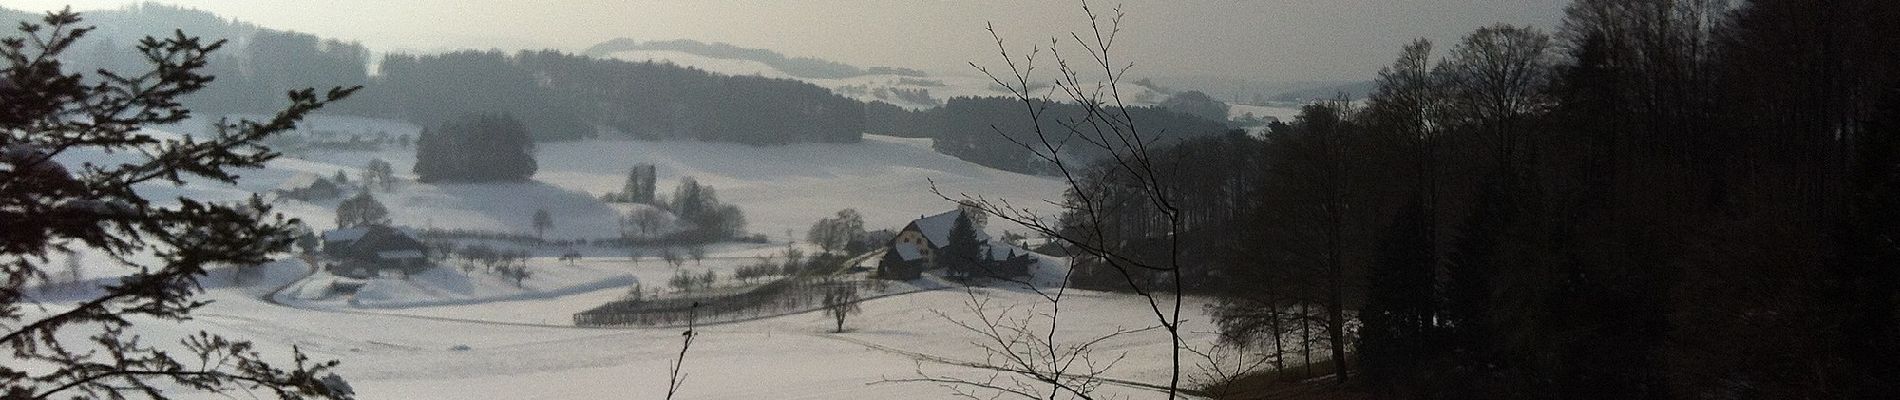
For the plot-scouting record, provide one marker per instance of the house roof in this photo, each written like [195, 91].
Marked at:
[399, 254]
[936, 228]
[345, 234]
[907, 251]
[301, 181]
[373, 241]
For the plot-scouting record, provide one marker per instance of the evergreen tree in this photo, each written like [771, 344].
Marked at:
[961, 255]
[1470, 269]
[1397, 318]
[91, 348]
[1869, 237]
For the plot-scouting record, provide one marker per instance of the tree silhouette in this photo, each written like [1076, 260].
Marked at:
[45, 113]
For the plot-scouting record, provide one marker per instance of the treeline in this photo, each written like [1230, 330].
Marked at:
[562, 96]
[968, 128]
[1661, 199]
[557, 96]
[252, 71]
[803, 67]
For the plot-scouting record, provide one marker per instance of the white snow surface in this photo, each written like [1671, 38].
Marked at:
[446, 334]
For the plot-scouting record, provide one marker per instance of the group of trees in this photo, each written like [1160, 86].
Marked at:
[557, 96]
[1216, 182]
[378, 174]
[639, 187]
[476, 148]
[361, 210]
[706, 219]
[844, 231]
[1197, 104]
[988, 130]
[1610, 211]
[794, 264]
[686, 281]
[511, 264]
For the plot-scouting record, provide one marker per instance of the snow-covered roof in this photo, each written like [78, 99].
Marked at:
[357, 232]
[399, 254]
[936, 228]
[345, 234]
[300, 181]
[907, 251]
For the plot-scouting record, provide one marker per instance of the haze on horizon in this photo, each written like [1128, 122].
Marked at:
[1261, 40]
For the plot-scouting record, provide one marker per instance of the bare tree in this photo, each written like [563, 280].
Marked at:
[677, 372]
[841, 302]
[1226, 362]
[672, 257]
[1035, 363]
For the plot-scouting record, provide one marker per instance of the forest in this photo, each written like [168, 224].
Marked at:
[1657, 199]
[990, 130]
[556, 95]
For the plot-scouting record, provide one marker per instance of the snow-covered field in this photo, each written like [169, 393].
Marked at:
[780, 188]
[521, 351]
[449, 335]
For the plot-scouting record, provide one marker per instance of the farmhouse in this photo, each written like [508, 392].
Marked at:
[307, 186]
[371, 250]
[916, 248]
[925, 236]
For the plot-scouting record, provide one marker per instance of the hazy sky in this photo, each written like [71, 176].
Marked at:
[1251, 39]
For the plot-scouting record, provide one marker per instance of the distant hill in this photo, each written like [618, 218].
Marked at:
[1352, 91]
[801, 67]
[126, 25]
[1259, 92]
[556, 95]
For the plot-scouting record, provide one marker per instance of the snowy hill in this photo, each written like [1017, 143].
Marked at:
[780, 187]
[446, 334]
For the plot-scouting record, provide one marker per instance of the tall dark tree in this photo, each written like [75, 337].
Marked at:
[1397, 321]
[961, 257]
[542, 221]
[1869, 282]
[46, 113]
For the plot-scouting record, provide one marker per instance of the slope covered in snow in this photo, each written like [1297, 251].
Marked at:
[781, 188]
[473, 336]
